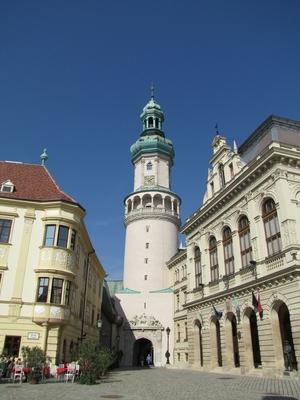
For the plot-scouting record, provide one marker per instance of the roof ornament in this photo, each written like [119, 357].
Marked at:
[217, 129]
[152, 90]
[44, 156]
[235, 148]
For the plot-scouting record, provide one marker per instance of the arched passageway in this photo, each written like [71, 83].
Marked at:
[254, 340]
[286, 337]
[142, 347]
[232, 345]
[198, 343]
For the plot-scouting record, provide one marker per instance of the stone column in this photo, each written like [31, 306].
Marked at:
[23, 256]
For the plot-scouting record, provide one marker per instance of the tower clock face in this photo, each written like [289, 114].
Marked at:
[149, 180]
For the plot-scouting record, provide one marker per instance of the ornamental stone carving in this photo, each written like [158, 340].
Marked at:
[145, 322]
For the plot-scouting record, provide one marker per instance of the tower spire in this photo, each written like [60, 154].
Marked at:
[152, 90]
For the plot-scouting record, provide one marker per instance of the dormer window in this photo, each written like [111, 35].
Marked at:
[7, 186]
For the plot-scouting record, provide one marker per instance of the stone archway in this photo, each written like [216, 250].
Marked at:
[215, 339]
[251, 339]
[198, 343]
[282, 334]
[232, 345]
[142, 347]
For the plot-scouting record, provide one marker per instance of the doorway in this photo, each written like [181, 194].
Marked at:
[255, 339]
[12, 345]
[142, 347]
[286, 333]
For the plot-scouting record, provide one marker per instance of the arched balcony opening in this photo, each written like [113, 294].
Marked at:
[158, 201]
[168, 203]
[147, 201]
[136, 202]
[129, 206]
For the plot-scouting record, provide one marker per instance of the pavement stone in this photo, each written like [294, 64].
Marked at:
[161, 384]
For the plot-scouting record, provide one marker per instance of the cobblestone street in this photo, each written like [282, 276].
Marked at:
[162, 384]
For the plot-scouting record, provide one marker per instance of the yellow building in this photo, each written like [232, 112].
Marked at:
[50, 277]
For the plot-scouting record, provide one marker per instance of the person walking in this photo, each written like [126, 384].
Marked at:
[148, 360]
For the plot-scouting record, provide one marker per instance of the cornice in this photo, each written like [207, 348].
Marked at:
[150, 215]
[153, 189]
[289, 273]
[177, 258]
[256, 168]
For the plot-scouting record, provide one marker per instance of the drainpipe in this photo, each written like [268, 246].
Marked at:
[84, 294]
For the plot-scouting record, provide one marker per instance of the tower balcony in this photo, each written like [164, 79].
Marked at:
[152, 212]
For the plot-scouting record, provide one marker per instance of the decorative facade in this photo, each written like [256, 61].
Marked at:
[237, 306]
[50, 277]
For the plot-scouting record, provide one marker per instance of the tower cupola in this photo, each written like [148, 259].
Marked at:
[152, 117]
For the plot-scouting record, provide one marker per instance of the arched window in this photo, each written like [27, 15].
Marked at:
[221, 175]
[228, 251]
[213, 257]
[245, 241]
[198, 274]
[156, 123]
[272, 231]
[150, 122]
[149, 166]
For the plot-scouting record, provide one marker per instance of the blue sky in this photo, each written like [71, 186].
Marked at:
[75, 75]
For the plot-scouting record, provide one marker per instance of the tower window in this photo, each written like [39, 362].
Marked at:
[147, 228]
[212, 188]
[145, 305]
[149, 166]
[156, 123]
[147, 245]
[150, 122]
[145, 277]
[146, 260]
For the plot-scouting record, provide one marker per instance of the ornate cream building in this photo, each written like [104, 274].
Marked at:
[50, 277]
[243, 253]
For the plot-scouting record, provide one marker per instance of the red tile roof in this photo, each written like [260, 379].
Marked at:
[32, 182]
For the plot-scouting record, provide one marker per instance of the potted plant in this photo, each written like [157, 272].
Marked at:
[34, 359]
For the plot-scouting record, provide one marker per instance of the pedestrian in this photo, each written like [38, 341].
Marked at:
[287, 351]
[148, 360]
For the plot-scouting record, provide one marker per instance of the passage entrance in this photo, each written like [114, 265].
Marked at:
[142, 347]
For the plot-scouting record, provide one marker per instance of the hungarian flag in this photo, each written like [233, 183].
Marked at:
[259, 307]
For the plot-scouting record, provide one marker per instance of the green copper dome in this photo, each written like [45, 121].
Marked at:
[152, 143]
[152, 139]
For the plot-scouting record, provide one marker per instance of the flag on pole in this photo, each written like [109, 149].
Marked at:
[237, 309]
[259, 307]
[254, 302]
[218, 314]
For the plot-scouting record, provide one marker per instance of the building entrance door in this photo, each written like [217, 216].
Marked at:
[12, 345]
